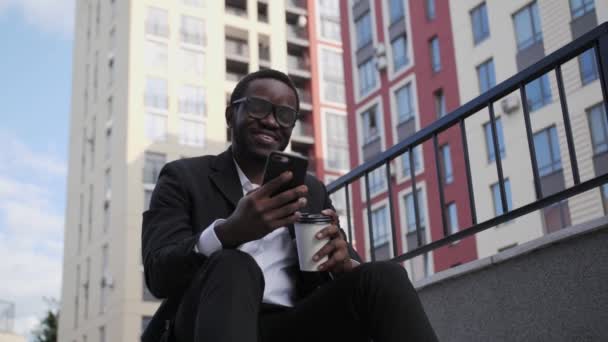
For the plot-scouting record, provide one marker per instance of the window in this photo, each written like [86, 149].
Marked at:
[479, 23]
[399, 49]
[446, 164]
[370, 125]
[110, 71]
[528, 30]
[405, 161]
[490, 140]
[108, 183]
[85, 286]
[102, 334]
[546, 146]
[333, 76]
[192, 30]
[156, 126]
[578, 8]
[112, 39]
[76, 298]
[262, 12]
[110, 107]
[91, 141]
[153, 163]
[410, 213]
[405, 108]
[192, 132]
[156, 93]
[367, 77]
[430, 9]
[396, 10]
[588, 66]
[108, 143]
[599, 128]
[337, 142]
[380, 227]
[157, 22]
[193, 62]
[104, 279]
[538, 93]
[90, 212]
[452, 218]
[363, 26]
[435, 54]
[106, 215]
[330, 19]
[192, 100]
[377, 180]
[485, 76]
[155, 55]
[498, 201]
[193, 3]
[440, 103]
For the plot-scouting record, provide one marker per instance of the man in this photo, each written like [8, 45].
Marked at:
[220, 248]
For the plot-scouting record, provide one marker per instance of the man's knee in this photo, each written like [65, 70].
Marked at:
[233, 266]
[385, 274]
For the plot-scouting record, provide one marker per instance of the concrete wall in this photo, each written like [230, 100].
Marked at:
[550, 289]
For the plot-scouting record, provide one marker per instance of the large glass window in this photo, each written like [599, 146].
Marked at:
[193, 62]
[192, 100]
[578, 8]
[435, 54]
[380, 226]
[490, 141]
[479, 23]
[153, 163]
[405, 161]
[497, 200]
[371, 130]
[452, 218]
[546, 146]
[333, 76]
[410, 214]
[446, 164]
[367, 77]
[363, 26]
[588, 66]
[396, 10]
[192, 30]
[330, 19]
[377, 180]
[599, 128]
[155, 126]
[528, 30]
[440, 108]
[405, 107]
[155, 55]
[192, 132]
[336, 132]
[157, 22]
[430, 9]
[486, 76]
[538, 93]
[156, 93]
[399, 49]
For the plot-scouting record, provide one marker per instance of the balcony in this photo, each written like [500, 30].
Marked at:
[296, 6]
[157, 29]
[305, 99]
[236, 7]
[264, 55]
[302, 133]
[298, 66]
[236, 50]
[297, 35]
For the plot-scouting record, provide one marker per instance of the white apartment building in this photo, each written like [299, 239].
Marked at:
[150, 85]
[493, 41]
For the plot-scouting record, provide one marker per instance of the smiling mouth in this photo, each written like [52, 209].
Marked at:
[265, 138]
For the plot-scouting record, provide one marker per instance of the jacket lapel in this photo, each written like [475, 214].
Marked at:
[225, 177]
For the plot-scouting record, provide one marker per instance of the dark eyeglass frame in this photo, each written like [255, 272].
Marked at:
[273, 110]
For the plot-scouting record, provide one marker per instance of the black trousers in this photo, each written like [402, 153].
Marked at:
[374, 301]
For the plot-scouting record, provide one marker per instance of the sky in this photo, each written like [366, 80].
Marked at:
[35, 91]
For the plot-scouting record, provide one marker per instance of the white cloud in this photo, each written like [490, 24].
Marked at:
[52, 16]
[17, 155]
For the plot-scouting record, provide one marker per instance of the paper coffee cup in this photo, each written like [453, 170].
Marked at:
[307, 243]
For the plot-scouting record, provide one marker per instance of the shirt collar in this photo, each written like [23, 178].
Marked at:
[246, 184]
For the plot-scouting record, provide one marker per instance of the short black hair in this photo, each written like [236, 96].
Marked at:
[241, 87]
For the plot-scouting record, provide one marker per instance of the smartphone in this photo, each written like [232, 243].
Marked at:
[279, 162]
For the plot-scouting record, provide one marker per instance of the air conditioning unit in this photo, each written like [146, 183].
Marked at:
[381, 63]
[510, 104]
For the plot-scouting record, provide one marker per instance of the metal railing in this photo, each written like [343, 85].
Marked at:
[596, 39]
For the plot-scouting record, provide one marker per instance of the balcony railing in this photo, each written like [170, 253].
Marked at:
[597, 39]
[297, 63]
[236, 48]
[295, 4]
[296, 32]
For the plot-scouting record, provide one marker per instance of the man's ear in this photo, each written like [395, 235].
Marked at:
[229, 114]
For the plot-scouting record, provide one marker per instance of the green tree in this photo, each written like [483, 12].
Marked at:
[47, 328]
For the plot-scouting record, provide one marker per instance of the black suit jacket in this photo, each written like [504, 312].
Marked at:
[189, 195]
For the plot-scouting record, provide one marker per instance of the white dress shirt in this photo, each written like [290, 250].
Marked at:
[275, 253]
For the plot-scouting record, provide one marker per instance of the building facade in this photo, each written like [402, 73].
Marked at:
[493, 41]
[151, 83]
[400, 77]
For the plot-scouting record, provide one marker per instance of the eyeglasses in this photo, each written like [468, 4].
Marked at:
[259, 108]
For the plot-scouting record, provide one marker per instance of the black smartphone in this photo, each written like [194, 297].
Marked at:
[279, 162]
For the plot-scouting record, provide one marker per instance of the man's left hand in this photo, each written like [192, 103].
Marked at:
[336, 249]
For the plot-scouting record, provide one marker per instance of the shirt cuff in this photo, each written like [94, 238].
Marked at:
[208, 243]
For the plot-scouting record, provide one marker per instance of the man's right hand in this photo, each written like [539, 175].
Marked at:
[258, 214]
